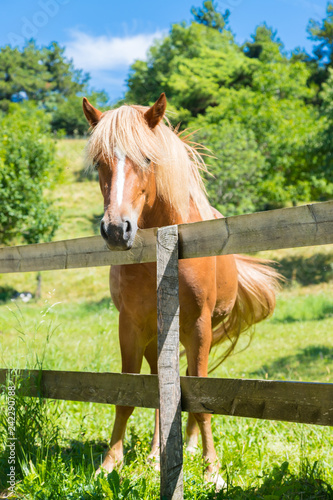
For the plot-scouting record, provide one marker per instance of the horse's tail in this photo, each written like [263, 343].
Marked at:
[257, 284]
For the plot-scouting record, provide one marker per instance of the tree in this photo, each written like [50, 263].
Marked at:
[323, 34]
[236, 168]
[252, 106]
[20, 76]
[41, 75]
[209, 16]
[265, 45]
[27, 170]
[321, 147]
[191, 65]
[261, 142]
[65, 80]
[68, 114]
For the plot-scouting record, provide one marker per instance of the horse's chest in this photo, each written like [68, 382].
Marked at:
[133, 288]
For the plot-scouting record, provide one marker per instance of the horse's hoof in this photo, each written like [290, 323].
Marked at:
[216, 479]
[107, 466]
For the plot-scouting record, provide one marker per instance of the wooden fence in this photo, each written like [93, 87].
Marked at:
[288, 401]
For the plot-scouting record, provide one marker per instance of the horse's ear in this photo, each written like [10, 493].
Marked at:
[155, 114]
[92, 114]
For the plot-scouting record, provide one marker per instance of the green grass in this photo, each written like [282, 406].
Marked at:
[74, 327]
[253, 453]
[78, 197]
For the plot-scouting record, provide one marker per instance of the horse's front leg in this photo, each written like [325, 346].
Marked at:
[197, 345]
[131, 355]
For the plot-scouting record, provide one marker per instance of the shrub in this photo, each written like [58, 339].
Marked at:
[27, 170]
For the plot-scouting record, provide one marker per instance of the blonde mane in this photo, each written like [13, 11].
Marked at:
[177, 163]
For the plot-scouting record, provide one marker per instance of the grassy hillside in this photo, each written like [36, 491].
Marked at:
[81, 204]
[78, 197]
[74, 327]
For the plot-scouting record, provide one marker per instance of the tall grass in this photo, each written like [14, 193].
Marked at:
[61, 444]
[36, 421]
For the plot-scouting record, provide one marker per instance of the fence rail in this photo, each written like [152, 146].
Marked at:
[274, 400]
[284, 228]
[302, 402]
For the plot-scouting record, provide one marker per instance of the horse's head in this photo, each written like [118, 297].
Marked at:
[126, 178]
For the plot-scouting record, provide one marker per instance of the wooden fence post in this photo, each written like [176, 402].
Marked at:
[171, 446]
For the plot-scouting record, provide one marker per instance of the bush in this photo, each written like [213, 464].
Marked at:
[27, 169]
[68, 115]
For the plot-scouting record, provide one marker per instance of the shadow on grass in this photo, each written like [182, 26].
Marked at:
[280, 483]
[96, 306]
[307, 270]
[310, 361]
[277, 483]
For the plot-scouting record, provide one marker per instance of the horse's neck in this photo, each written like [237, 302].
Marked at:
[161, 214]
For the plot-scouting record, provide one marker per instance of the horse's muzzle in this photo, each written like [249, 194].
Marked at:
[119, 236]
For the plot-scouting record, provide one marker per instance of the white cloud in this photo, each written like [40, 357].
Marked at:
[106, 53]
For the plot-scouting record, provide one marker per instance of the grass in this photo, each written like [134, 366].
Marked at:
[74, 327]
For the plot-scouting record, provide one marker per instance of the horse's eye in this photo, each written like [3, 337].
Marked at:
[147, 160]
[96, 166]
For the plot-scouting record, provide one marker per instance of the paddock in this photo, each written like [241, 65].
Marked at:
[306, 225]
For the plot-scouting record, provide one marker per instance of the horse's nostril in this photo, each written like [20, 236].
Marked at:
[127, 228]
[103, 231]
[118, 235]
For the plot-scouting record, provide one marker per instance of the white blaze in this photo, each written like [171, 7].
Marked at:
[120, 181]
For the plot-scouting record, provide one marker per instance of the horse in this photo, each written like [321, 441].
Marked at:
[150, 176]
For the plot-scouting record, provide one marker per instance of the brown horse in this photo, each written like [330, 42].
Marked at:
[150, 177]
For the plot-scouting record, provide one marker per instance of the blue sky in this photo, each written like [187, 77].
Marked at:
[104, 37]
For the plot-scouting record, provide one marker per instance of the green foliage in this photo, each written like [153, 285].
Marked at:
[318, 268]
[37, 74]
[236, 168]
[27, 169]
[275, 130]
[322, 33]
[68, 114]
[254, 109]
[264, 45]
[6, 293]
[175, 66]
[36, 430]
[33, 429]
[44, 76]
[209, 16]
[322, 148]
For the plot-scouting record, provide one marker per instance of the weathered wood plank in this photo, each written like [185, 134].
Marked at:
[108, 388]
[171, 446]
[303, 402]
[306, 225]
[284, 228]
[81, 252]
